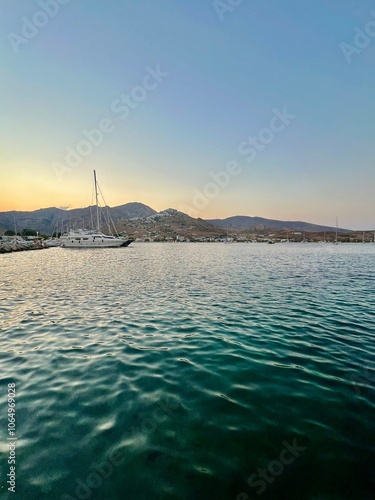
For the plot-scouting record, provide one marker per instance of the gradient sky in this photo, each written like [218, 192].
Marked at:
[226, 75]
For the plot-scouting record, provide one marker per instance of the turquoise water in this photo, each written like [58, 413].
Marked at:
[190, 371]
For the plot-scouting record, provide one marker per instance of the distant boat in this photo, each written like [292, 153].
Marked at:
[228, 240]
[337, 226]
[93, 238]
[52, 242]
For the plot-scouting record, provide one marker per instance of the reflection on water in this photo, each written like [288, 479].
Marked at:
[184, 371]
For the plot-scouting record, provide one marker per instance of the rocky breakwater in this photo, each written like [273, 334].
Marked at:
[19, 244]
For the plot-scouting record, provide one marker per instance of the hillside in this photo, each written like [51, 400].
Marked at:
[243, 223]
[141, 221]
[47, 220]
[170, 223]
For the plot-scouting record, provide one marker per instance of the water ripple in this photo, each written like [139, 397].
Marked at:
[193, 363]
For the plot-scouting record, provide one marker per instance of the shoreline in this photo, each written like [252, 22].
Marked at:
[18, 247]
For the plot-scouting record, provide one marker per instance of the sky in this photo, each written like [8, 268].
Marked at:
[213, 107]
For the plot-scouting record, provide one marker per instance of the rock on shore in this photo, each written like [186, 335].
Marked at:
[17, 246]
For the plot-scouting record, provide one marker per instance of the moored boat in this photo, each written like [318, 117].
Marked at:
[92, 238]
[83, 238]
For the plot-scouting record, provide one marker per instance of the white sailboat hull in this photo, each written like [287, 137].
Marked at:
[86, 239]
[91, 244]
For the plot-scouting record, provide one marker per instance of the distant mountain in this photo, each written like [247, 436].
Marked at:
[243, 222]
[137, 218]
[47, 220]
[42, 220]
[170, 224]
[132, 211]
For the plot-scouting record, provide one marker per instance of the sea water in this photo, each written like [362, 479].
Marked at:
[190, 371]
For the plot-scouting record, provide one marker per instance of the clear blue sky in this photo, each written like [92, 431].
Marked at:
[227, 72]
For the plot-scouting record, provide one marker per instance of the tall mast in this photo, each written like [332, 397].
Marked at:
[96, 202]
[337, 225]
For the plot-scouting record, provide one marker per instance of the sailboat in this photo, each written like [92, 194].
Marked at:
[92, 238]
[337, 228]
[228, 240]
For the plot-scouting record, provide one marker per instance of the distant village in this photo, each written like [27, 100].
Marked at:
[171, 226]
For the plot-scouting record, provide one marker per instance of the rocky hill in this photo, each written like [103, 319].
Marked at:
[170, 224]
[47, 220]
[243, 223]
[141, 221]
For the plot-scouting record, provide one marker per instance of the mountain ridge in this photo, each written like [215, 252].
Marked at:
[46, 220]
[246, 222]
